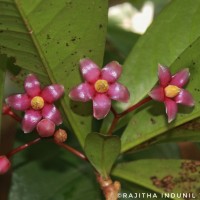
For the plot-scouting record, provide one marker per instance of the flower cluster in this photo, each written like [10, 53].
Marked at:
[37, 104]
[170, 90]
[101, 87]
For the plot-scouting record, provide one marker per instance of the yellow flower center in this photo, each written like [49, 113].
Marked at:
[101, 86]
[37, 103]
[171, 91]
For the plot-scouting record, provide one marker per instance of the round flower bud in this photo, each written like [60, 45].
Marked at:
[45, 128]
[4, 164]
[60, 135]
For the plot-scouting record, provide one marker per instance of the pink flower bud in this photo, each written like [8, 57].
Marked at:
[45, 128]
[4, 164]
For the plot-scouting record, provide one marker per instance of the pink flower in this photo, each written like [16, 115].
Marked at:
[4, 164]
[100, 86]
[37, 103]
[170, 90]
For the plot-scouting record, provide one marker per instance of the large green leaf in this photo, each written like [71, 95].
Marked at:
[163, 176]
[153, 114]
[156, 151]
[3, 66]
[162, 43]
[50, 37]
[187, 132]
[173, 30]
[102, 151]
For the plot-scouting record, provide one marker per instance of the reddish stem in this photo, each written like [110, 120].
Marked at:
[8, 111]
[113, 125]
[137, 105]
[72, 150]
[117, 116]
[22, 147]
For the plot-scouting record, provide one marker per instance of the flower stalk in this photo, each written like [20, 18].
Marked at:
[72, 150]
[23, 147]
[117, 116]
[8, 111]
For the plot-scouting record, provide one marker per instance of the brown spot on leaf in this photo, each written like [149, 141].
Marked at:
[153, 121]
[190, 166]
[166, 183]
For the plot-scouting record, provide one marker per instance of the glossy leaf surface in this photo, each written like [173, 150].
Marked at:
[102, 151]
[153, 114]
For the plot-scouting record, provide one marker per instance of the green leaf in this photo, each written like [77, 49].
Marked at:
[45, 171]
[162, 43]
[158, 151]
[102, 151]
[153, 114]
[162, 176]
[3, 66]
[49, 38]
[189, 131]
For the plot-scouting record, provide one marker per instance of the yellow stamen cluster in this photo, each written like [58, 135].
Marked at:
[37, 103]
[101, 86]
[172, 91]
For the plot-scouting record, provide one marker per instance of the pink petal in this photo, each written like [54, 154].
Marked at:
[171, 109]
[45, 128]
[101, 106]
[83, 92]
[118, 92]
[52, 113]
[18, 101]
[185, 98]
[180, 78]
[4, 164]
[89, 70]
[157, 93]
[31, 118]
[164, 75]
[32, 85]
[52, 93]
[111, 72]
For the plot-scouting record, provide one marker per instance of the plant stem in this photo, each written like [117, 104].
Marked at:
[113, 125]
[72, 150]
[137, 105]
[117, 116]
[8, 111]
[22, 147]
